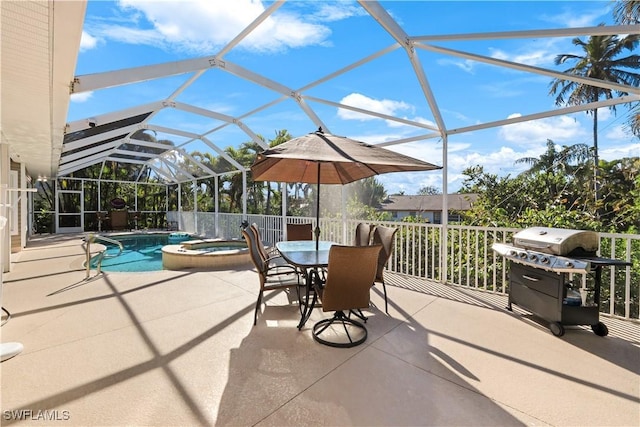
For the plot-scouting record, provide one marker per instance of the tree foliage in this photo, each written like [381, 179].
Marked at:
[627, 11]
[555, 192]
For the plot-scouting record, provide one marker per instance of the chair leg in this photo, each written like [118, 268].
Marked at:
[255, 314]
[359, 314]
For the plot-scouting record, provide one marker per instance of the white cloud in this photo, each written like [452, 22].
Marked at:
[461, 155]
[466, 65]
[617, 133]
[429, 151]
[384, 106]
[202, 26]
[502, 159]
[81, 97]
[618, 152]
[561, 129]
[337, 11]
[534, 57]
[410, 182]
[130, 35]
[417, 119]
[87, 41]
[570, 18]
[604, 114]
[539, 52]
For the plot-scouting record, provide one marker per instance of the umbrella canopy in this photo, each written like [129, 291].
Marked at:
[320, 158]
[340, 161]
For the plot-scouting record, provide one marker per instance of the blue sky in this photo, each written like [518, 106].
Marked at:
[304, 41]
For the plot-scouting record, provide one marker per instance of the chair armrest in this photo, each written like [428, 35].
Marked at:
[277, 261]
[272, 251]
[277, 270]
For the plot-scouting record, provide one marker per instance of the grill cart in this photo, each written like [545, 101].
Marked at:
[542, 263]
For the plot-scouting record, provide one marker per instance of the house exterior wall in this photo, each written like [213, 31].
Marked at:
[5, 234]
[431, 217]
[428, 207]
[399, 215]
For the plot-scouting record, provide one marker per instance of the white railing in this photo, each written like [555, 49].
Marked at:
[469, 260]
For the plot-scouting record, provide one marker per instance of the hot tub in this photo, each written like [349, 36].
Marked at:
[211, 254]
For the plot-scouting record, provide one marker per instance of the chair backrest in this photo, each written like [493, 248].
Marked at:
[254, 251]
[350, 273]
[299, 231]
[253, 228]
[384, 236]
[363, 234]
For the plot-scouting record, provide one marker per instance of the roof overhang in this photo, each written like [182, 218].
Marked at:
[40, 42]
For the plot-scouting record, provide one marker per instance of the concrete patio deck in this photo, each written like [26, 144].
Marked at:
[175, 348]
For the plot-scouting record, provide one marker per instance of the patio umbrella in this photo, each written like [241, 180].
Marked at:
[320, 158]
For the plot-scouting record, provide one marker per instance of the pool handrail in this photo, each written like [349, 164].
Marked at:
[92, 238]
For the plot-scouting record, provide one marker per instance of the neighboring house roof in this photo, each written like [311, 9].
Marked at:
[430, 203]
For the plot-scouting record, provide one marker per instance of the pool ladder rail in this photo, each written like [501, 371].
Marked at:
[92, 238]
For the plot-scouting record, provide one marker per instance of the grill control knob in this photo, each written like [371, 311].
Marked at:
[513, 253]
[544, 260]
[523, 255]
[568, 264]
[533, 257]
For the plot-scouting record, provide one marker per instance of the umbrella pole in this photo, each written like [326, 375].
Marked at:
[317, 230]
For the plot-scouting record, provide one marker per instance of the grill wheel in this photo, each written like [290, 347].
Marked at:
[557, 329]
[600, 329]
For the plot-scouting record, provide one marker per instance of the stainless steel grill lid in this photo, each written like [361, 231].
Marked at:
[557, 241]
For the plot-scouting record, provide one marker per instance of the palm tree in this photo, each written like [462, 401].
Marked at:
[627, 11]
[244, 155]
[282, 135]
[634, 124]
[600, 61]
[553, 162]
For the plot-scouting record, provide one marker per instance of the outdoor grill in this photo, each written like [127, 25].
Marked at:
[542, 263]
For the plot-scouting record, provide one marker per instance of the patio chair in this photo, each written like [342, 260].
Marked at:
[119, 220]
[346, 289]
[272, 276]
[300, 231]
[363, 234]
[384, 236]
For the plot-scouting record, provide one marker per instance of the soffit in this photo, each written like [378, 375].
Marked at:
[39, 45]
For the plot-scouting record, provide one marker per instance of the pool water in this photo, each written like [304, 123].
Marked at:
[141, 252]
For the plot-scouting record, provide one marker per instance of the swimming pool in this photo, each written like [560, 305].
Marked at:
[142, 252]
